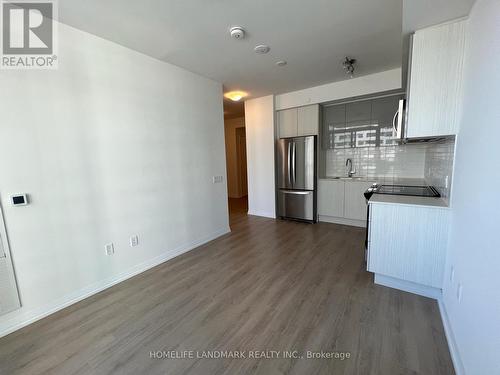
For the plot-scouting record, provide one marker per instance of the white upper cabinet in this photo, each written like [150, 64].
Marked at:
[287, 123]
[308, 120]
[300, 121]
[435, 83]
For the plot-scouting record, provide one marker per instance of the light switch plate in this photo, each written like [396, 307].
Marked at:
[217, 179]
[109, 249]
[134, 240]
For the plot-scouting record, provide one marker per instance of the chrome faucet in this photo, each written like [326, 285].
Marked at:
[351, 170]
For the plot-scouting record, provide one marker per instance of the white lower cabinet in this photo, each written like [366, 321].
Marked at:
[342, 201]
[408, 243]
[331, 198]
[355, 202]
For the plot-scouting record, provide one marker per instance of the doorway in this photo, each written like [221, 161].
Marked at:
[236, 159]
[241, 157]
[9, 296]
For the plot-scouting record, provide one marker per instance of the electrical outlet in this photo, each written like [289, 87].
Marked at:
[452, 274]
[109, 249]
[217, 179]
[134, 240]
[459, 292]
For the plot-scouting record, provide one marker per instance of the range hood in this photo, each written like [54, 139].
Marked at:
[438, 139]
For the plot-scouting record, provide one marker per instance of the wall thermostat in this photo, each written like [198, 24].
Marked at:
[19, 200]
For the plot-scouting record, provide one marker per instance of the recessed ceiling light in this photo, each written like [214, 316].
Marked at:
[235, 96]
[262, 49]
[281, 63]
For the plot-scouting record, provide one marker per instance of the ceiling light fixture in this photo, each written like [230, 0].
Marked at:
[262, 49]
[281, 63]
[235, 96]
[348, 65]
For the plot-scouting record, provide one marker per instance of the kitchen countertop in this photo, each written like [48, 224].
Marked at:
[384, 180]
[397, 199]
[408, 200]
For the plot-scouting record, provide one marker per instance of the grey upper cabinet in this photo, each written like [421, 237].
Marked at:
[358, 111]
[384, 109]
[435, 81]
[333, 126]
[366, 123]
[296, 122]
[383, 114]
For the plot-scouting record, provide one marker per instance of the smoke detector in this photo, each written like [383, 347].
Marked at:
[262, 49]
[281, 63]
[237, 32]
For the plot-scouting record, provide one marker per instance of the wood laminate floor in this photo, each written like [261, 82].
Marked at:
[267, 286]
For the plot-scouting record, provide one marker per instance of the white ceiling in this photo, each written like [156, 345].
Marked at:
[424, 13]
[312, 35]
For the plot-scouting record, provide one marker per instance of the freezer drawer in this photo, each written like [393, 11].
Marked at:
[296, 204]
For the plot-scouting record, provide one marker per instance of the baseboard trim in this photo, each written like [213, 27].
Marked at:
[29, 317]
[342, 221]
[408, 286]
[450, 337]
[262, 213]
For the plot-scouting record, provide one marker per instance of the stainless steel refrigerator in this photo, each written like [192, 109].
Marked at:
[297, 178]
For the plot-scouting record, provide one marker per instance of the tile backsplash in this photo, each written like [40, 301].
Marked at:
[439, 166]
[430, 161]
[390, 161]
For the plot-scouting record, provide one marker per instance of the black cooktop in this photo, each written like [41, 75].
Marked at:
[417, 191]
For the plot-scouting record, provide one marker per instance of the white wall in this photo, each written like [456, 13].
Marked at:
[474, 242]
[259, 121]
[233, 183]
[112, 144]
[369, 84]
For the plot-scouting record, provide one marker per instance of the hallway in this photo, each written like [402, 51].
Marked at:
[238, 208]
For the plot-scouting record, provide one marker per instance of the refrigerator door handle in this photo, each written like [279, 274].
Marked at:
[289, 164]
[294, 177]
